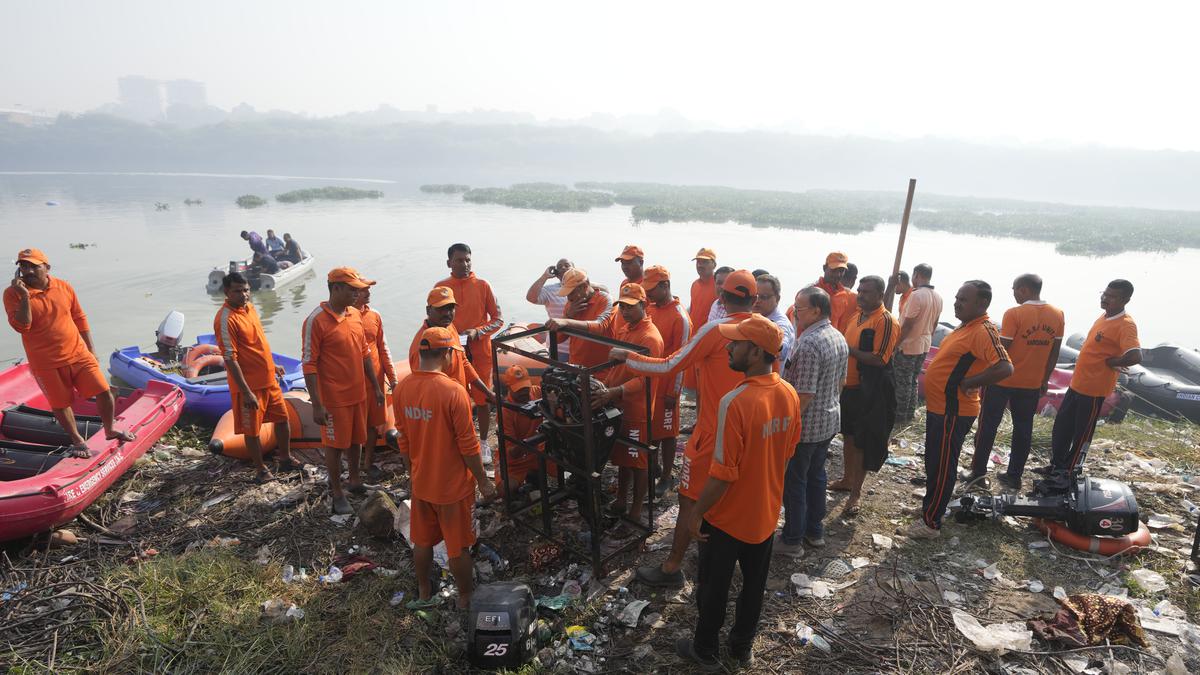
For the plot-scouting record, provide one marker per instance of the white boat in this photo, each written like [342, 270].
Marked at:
[259, 281]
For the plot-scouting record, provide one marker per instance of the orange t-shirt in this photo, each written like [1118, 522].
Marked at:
[240, 338]
[704, 294]
[516, 425]
[477, 306]
[886, 331]
[1109, 337]
[644, 334]
[381, 355]
[52, 338]
[461, 370]
[433, 416]
[1033, 327]
[334, 347]
[842, 304]
[757, 432]
[675, 327]
[966, 351]
[585, 352]
[706, 353]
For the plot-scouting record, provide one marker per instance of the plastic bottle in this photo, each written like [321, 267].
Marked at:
[334, 576]
[809, 637]
[289, 574]
[1191, 508]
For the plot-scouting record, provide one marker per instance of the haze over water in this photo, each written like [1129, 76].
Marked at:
[149, 262]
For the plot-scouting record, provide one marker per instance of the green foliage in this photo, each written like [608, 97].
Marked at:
[446, 188]
[1075, 230]
[328, 192]
[251, 201]
[540, 198]
[540, 187]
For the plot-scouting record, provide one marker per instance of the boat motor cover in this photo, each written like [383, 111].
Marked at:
[1102, 507]
[502, 625]
[170, 331]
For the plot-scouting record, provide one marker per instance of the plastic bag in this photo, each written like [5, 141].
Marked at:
[997, 638]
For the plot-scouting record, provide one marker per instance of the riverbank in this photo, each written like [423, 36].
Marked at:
[190, 550]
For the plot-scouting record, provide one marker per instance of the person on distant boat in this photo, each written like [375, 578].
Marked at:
[478, 317]
[336, 360]
[265, 264]
[1111, 344]
[1032, 332]
[633, 261]
[58, 345]
[381, 357]
[291, 250]
[274, 244]
[257, 245]
[546, 294]
[252, 374]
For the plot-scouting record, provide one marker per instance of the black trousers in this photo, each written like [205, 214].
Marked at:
[1022, 403]
[1073, 429]
[718, 556]
[944, 436]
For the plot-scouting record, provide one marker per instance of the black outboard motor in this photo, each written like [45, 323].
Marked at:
[1094, 507]
[502, 626]
[562, 408]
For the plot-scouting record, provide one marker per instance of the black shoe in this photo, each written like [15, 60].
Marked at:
[1043, 470]
[684, 648]
[970, 480]
[358, 489]
[1009, 482]
[652, 575]
[744, 659]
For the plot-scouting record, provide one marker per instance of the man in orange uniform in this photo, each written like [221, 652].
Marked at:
[757, 431]
[381, 359]
[842, 303]
[58, 345]
[337, 370]
[585, 302]
[478, 317]
[522, 463]
[970, 357]
[868, 404]
[675, 327]
[704, 288]
[1032, 332]
[437, 436]
[252, 374]
[1111, 344]
[633, 261]
[705, 353]
[439, 313]
[626, 389]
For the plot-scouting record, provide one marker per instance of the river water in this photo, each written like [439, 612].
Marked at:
[147, 262]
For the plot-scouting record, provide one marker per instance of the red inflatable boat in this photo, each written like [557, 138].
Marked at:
[40, 486]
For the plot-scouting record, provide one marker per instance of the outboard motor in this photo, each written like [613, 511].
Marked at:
[502, 626]
[1092, 507]
[168, 337]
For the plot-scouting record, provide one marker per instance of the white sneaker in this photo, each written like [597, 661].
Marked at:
[485, 452]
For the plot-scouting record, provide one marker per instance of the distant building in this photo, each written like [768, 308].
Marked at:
[140, 98]
[186, 93]
[27, 118]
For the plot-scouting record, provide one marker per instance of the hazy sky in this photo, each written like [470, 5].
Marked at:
[1085, 72]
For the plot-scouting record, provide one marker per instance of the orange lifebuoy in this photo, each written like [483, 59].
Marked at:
[200, 357]
[1130, 543]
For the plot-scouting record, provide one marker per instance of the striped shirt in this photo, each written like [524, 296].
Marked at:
[817, 366]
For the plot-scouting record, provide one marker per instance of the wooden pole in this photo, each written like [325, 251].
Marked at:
[890, 293]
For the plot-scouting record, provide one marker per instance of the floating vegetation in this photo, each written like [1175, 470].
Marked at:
[541, 198]
[192, 202]
[446, 188]
[81, 245]
[329, 192]
[251, 201]
[539, 187]
[1074, 230]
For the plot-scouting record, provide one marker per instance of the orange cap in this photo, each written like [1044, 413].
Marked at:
[347, 275]
[438, 338]
[440, 296]
[34, 256]
[516, 378]
[706, 254]
[630, 252]
[757, 329]
[653, 275]
[836, 259]
[632, 294]
[740, 282]
[574, 278]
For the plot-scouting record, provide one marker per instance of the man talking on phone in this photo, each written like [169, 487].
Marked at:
[546, 294]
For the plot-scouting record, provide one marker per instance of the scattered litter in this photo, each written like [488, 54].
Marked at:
[289, 574]
[263, 556]
[642, 652]
[572, 589]
[213, 501]
[836, 569]
[814, 588]
[397, 599]
[351, 565]
[132, 496]
[1149, 580]
[992, 572]
[898, 461]
[1160, 521]
[13, 592]
[881, 542]
[581, 640]
[554, 604]
[809, 637]
[334, 576]
[1036, 586]
[998, 638]
[632, 613]
[62, 538]
[1176, 666]
[277, 610]
[951, 597]
[341, 519]
[860, 562]
[1060, 593]
[385, 572]
[1041, 543]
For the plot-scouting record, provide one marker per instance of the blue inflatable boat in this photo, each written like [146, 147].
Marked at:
[198, 370]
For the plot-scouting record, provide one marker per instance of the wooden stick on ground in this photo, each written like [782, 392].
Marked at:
[890, 293]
